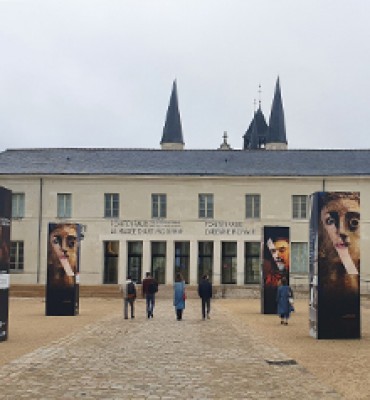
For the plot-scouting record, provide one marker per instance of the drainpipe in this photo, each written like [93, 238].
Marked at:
[323, 185]
[39, 234]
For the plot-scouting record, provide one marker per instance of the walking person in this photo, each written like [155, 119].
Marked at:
[129, 297]
[179, 296]
[149, 289]
[284, 298]
[205, 293]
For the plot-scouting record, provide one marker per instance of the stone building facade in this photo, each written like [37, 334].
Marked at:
[171, 209]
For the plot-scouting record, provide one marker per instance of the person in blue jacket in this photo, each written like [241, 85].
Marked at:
[284, 306]
[179, 296]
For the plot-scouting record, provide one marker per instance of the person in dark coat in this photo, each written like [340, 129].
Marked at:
[284, 307]
[205, 293]
[149, 288]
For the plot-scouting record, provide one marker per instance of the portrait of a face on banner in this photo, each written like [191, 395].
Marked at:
[275, 264]
[5, 216]
[338, 264]
[63, 254]
[4, 244]
[276, 255]
[62, 268]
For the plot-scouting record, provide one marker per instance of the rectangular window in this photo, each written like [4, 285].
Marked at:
[300, 204]
[111, 205]
[111, 257]
[299, 258]
[229, 252]
[159, 261]
[252, 262]
[134, 260]
[16, 256]
[206, 206]
[252, 206]
[64, 205]
[159, 206]
[182, 258]
[18, 205]
[205, 260]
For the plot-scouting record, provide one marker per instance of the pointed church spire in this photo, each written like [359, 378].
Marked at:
[253, 145]
[172, 132]
[277, 135]
[259, 124]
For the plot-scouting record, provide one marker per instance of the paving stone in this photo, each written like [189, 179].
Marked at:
[161, 358]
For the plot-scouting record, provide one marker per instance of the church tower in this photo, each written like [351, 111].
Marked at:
[256, 135]
[259, 135]
[276, 133]
[172, 138]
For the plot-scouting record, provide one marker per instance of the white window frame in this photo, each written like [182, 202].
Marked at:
[64, 205]
[252, 206]
[206, 205]
[111, 205]
[299, 206]
[299, 254]
[16, 256]
[159, 205]
[18, 205]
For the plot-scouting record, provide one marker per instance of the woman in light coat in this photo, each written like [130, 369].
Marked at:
[179, 296]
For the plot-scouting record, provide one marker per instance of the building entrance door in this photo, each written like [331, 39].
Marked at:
[134, 260]
[111, 254]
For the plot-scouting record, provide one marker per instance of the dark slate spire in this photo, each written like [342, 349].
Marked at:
[277, 132]
[254, 145]
[172, 131]
[262, 130]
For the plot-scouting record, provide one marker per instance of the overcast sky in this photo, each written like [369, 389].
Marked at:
[86, 73]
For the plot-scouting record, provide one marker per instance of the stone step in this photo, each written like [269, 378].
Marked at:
[165, 291]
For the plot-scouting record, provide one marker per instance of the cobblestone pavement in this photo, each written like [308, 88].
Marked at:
[160, 358]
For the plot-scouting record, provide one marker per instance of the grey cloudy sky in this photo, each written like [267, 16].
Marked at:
[86, 73]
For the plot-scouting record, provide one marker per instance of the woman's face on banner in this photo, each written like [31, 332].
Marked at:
[340, 219]
[63, 241]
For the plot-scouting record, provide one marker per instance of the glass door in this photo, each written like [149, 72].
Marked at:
[111, 254]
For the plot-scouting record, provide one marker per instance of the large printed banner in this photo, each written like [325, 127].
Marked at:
[275, 264]
[62, 288]
[335, 265]
[5, 215]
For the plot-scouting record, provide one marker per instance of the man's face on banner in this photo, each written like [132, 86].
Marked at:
[282, 251]
[340, 219]
[279, 249]
[63, 245]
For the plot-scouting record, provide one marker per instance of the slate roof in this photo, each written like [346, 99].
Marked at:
[84, 161]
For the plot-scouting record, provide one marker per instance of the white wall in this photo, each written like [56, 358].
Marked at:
[182, 207]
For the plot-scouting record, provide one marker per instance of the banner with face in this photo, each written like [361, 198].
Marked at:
[63, 269]
[275, 264]
[335, 269]
[5, 215]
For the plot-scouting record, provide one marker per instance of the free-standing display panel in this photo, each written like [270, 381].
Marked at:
[335, 265]
[275, 264]
[62, 287]
[5, 215]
